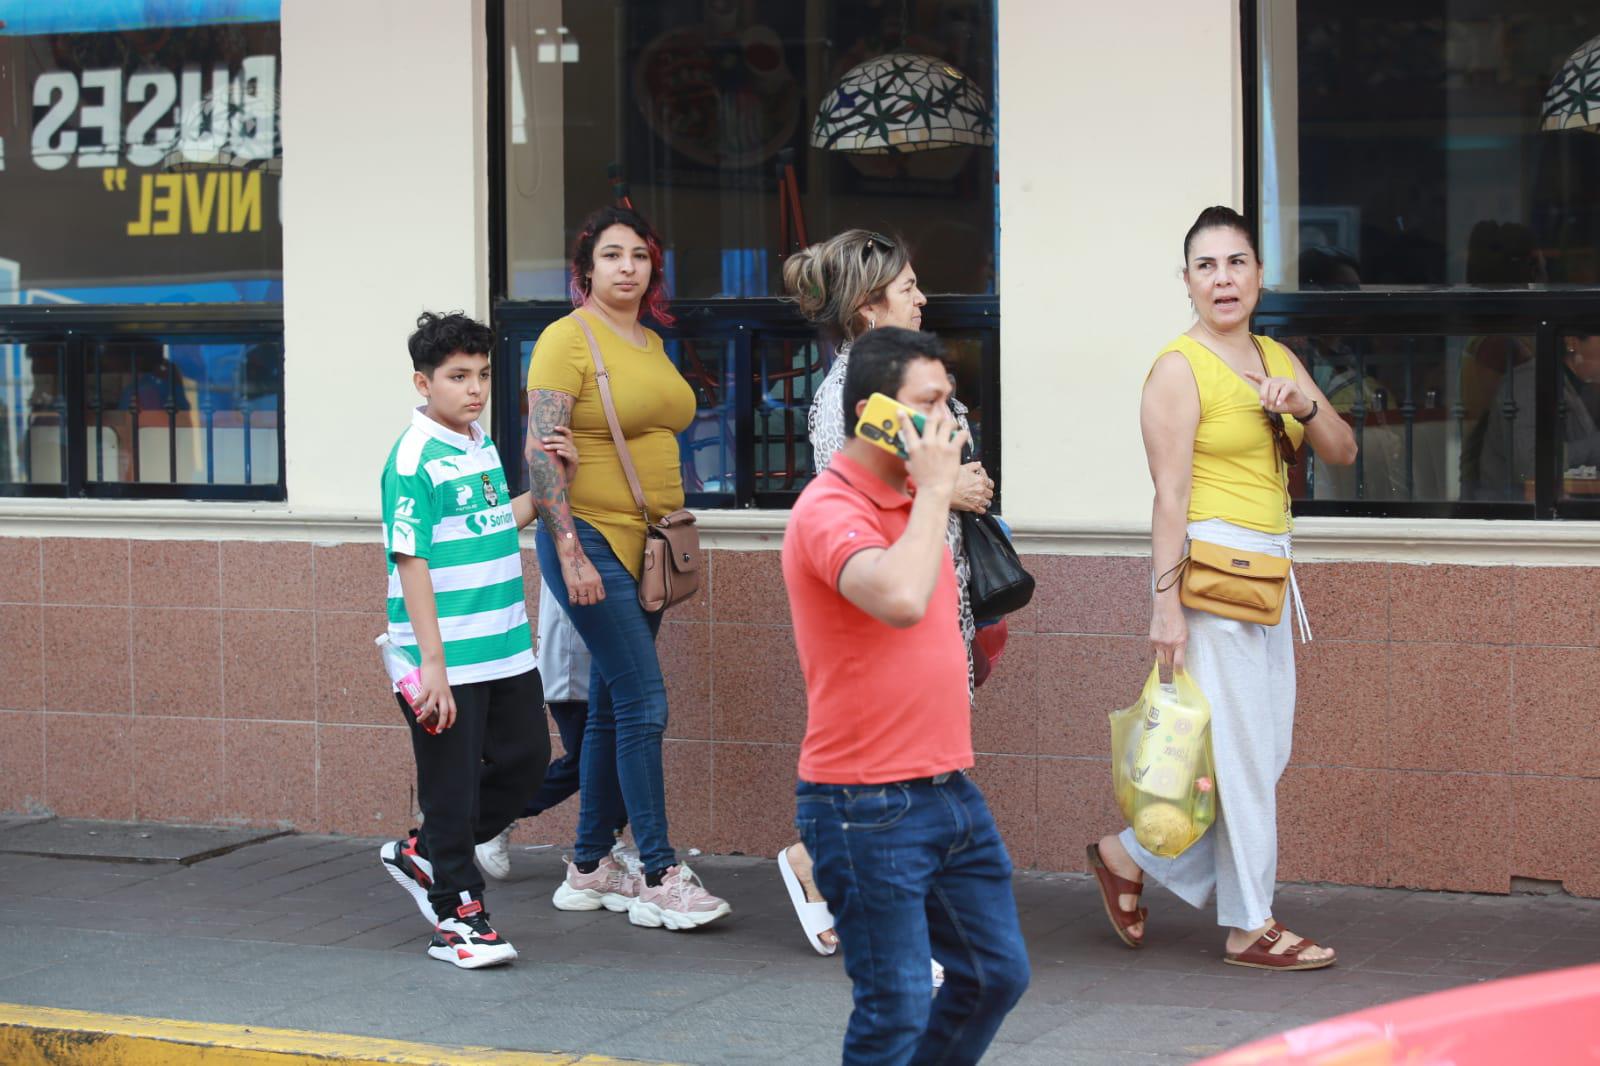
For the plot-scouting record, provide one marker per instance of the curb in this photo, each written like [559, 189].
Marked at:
[47, 1036]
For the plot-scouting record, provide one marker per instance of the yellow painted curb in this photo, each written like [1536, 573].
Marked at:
[45, 1036]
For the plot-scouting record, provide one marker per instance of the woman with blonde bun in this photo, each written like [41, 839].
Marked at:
[853, 282]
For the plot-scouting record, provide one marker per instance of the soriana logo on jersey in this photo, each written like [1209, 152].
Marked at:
[491, 521]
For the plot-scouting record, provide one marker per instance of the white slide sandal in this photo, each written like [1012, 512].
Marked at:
[815, 918]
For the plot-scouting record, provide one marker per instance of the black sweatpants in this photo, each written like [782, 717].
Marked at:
[474, 778]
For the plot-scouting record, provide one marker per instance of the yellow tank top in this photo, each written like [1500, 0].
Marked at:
[1237, 475]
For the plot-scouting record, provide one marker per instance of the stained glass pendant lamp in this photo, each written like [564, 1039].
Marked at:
[1573, 99]
[902, 102]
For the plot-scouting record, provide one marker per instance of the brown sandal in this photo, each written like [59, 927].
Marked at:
[1260, 955]
[1112, 886]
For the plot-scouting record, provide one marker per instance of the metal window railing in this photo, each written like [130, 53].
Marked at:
[753, 365]
[182, 402]
[1401, 366]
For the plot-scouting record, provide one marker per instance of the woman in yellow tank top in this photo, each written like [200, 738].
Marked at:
[1211, 411]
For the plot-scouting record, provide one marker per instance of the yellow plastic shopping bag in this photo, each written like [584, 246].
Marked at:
[1162, 771]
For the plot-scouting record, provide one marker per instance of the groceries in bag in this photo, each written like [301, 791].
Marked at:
[1162, 770]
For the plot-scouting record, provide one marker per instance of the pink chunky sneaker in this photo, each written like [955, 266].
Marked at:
[613, 885]
[680, 901]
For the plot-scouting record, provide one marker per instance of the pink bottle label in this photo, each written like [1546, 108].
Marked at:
[410, 687]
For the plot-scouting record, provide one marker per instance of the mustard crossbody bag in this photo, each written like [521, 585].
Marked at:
[1229, 582]
[1244, 586]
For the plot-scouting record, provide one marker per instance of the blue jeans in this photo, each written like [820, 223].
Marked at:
[621, 757]
[911, 871]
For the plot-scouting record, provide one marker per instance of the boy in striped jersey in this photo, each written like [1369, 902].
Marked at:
[456, 603]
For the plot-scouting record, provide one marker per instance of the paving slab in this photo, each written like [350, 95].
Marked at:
[309, 933]
[13, 821]
[139, 842]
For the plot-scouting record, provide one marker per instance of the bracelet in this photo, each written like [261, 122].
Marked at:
[1306, 418]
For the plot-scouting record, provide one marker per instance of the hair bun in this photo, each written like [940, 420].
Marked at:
[802, 276]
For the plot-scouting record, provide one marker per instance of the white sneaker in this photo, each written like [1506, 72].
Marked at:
[494, 856]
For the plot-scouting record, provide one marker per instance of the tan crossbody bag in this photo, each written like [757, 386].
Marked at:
[1245, 586]
[671, 571]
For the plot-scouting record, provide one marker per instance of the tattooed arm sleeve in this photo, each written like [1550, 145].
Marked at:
[548, 408]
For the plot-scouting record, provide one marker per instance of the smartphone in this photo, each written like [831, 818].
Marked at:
[880, 423]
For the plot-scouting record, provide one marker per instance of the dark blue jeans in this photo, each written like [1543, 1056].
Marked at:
[561, 779]
[627, 708]
[911, 871]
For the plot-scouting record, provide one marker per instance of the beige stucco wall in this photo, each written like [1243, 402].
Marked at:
[385, 214]
[1116, 129]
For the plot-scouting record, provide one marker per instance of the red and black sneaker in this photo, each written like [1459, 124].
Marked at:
[467, 939]
[410, 871]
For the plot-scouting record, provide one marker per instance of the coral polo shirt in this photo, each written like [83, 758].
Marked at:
[882, 704]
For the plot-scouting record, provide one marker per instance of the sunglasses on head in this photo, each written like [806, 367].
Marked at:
[877, 240]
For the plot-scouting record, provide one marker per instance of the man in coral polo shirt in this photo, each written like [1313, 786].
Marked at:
[906, 851]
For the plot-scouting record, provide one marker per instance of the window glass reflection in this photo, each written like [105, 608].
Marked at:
[1578, 409]
[709, 446]
[183, 413]
[704, 115]
[1437, 417]
[1428, 144]
[33, 439]
[790, 371]
[140, 152]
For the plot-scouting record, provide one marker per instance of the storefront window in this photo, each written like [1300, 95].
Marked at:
[1424, 181]
[140, 152]
[140, 170]
[744, 132]
[739, 128]
[1428, 144]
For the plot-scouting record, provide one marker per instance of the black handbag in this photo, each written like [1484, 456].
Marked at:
[999, 583]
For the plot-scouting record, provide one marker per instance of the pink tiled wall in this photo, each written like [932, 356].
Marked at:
[1444, 734]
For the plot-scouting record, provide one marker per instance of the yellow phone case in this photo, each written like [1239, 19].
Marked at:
[880, 423]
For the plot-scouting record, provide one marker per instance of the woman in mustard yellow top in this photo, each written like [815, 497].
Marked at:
[1222, 413]
[591, 550]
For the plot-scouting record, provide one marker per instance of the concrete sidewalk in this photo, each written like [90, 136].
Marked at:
[309, 933]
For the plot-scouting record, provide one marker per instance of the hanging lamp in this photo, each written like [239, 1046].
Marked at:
[902, 102]
[1573, 100]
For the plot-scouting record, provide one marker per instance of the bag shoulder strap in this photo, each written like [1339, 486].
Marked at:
[1283, 468]
[602, 378]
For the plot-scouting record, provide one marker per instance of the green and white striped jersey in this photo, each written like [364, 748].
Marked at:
[445, 499]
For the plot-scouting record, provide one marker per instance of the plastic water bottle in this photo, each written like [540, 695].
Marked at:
[405, 672]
